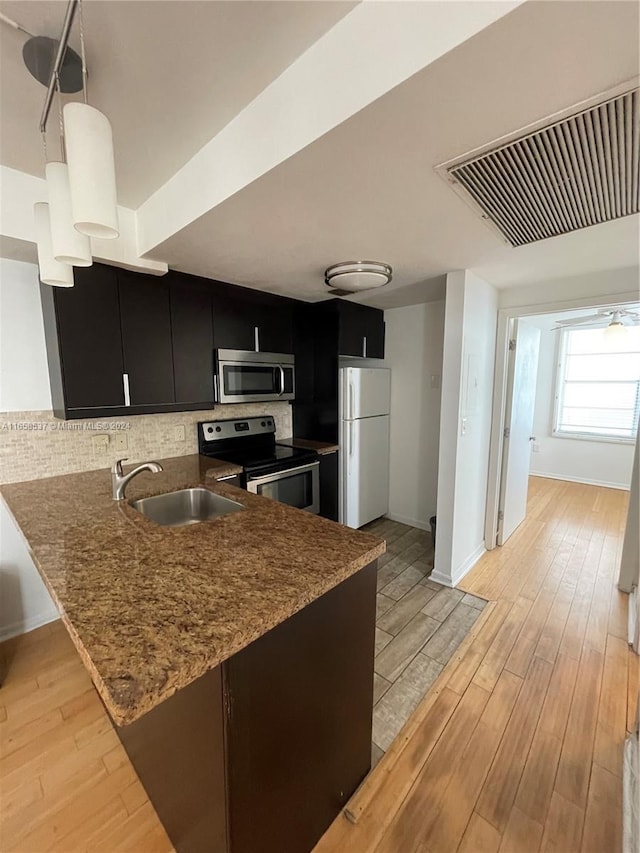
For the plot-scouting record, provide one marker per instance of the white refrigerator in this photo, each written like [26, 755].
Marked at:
[364, 444]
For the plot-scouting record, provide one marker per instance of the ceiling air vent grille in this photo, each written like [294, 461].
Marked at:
[572, 174]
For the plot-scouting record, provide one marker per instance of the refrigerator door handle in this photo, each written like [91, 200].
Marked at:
[351, 438]
[352, 400]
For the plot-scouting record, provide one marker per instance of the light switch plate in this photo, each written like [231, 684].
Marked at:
[120, 441]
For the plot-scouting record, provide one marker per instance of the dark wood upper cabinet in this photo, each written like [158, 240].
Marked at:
[247, 319]
[156, 333]
[361, 330]
[192, 338]
[234, 318]
[84, 343]
[145, 318]
[275, 325]
[352, 329]
[374, 332]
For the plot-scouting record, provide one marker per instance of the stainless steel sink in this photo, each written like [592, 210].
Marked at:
[187, 506]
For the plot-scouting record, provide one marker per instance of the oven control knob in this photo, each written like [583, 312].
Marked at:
[218, 429]
[209, 429]
[263, 423]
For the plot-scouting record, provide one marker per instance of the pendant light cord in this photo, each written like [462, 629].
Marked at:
[63, 152]
[82, 53]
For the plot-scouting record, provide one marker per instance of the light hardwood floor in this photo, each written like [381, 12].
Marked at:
[516, 747]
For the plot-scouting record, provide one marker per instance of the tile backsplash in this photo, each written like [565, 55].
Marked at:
[36, 444]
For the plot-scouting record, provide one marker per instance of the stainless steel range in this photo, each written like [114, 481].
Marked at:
[286, 474]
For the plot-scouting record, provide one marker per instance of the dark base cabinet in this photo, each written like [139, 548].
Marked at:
[260, 754]
[329, 486]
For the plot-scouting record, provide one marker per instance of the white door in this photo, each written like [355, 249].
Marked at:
[366, 392]
[366, 459]
[521, 398]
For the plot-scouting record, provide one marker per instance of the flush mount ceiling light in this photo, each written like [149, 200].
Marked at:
[354, 276]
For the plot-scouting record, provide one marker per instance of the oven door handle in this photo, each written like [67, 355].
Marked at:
[279, 475]
[281, 391]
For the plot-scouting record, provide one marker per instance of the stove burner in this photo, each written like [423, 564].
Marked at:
[250, 443]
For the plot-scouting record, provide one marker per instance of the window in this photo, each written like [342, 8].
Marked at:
[598, 386]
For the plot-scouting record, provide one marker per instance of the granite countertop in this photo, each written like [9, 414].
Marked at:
[322, 448]
[150, 608]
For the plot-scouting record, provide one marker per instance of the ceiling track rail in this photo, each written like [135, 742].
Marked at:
[72, 5]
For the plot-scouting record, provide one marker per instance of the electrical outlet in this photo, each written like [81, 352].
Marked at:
[120, 441]
[536, 448]
[435, 380]
[179, 433]
[100, 444]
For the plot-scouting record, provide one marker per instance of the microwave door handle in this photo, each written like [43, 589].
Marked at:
[281, 391]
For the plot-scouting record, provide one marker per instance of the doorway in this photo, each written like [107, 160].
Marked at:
[566, 403]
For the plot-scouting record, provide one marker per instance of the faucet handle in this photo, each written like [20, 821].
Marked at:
[117, 466]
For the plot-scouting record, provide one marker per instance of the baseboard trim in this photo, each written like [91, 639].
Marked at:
[603, 483]
[412, 522]
[23, 626]
[456, 576]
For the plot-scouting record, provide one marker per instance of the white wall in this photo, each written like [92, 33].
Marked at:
[24, 384]
[630, 557]
[465, 424]
[602, 463]
[24, 377]
[413, 351]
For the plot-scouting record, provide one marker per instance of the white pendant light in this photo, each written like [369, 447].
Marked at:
[51, 271]
[92, 174]
[69, 246]
[353, 276]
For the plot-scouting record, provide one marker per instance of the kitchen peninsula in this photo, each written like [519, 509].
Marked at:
[235, 656]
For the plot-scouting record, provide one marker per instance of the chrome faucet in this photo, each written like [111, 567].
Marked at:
[119, 480]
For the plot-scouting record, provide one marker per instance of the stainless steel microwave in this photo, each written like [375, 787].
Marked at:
[254, 377]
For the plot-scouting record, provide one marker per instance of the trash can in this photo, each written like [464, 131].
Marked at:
[432, 522]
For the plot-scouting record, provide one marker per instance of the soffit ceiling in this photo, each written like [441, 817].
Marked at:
[169, 75]
[368, 189]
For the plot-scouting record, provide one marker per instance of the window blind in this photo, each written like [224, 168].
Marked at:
[599, 383]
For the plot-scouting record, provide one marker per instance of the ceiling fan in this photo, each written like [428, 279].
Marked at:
[611, 317]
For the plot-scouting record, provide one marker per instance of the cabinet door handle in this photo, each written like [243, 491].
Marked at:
[125, 385]
[256, 338]
[364, 347]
